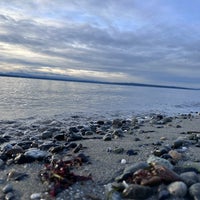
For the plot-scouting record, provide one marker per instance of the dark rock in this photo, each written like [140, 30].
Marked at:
[100, 122]
[46, 134]
[189, 178]
[35, 153]
[160, 152]
[131, 152]
[117, 123]
[47, 145]
[10, 196]
[107, 137]
[73, 129]
[74, 137]
[22, 159]
[118, 150]
[118, 133]
[137, 139]
[71, 145]
[56, 149]
[194, 191]
[7, 188]
[3, 140]
[178, 143]
[83, 157]
[25, 144]
[138, 192]
[166, 156]
[163, 193]
[60, 137]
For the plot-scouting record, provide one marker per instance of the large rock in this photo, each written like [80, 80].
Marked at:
[137, 192]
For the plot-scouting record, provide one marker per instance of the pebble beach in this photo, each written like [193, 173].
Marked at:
[140, 157]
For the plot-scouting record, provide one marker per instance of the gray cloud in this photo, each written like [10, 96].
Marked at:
[144, 41]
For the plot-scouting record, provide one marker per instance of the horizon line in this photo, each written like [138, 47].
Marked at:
[56, 78]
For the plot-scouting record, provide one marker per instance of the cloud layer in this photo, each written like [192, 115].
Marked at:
[148, 42]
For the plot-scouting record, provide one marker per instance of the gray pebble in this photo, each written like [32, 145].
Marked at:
[137, 192]
[194, 191]
[189, 178]
[47, 134]
[35, 196]
[177, 189]
[35, 153]
[10, 196]
[8, 188]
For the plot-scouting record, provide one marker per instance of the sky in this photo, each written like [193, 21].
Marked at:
[151, 42]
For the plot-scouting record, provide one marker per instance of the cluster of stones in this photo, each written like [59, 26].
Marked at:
[22, 143]
[164, 175]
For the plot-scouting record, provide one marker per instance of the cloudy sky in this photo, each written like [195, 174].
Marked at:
[152, 41]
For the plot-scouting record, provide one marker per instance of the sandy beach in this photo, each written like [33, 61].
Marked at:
[106, 147]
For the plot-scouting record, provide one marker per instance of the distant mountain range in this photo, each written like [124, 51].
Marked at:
[66, 78]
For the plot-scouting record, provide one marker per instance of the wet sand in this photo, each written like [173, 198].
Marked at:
[104, 159]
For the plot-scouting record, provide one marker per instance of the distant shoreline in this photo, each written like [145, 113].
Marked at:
[54, 78]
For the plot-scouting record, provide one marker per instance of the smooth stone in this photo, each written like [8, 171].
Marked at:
[73, 129]
[163, 193]
[36, 153]
[159, 161]
[35, 196]
[177, 189]
[118, 150]
[59, 137]
[117, 123]
[137, 192]
[47, 134]
[7, 188]
[176, 156]
[177, 144]
[194, 191]
[189, 178]
[131, 152]
[21, 159]
[74, 137]
[6, 148]
[10, 196]
[123, 161]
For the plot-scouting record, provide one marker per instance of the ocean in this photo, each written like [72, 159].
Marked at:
[22, 98]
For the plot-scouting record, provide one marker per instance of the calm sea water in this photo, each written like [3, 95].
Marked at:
[26, 98]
